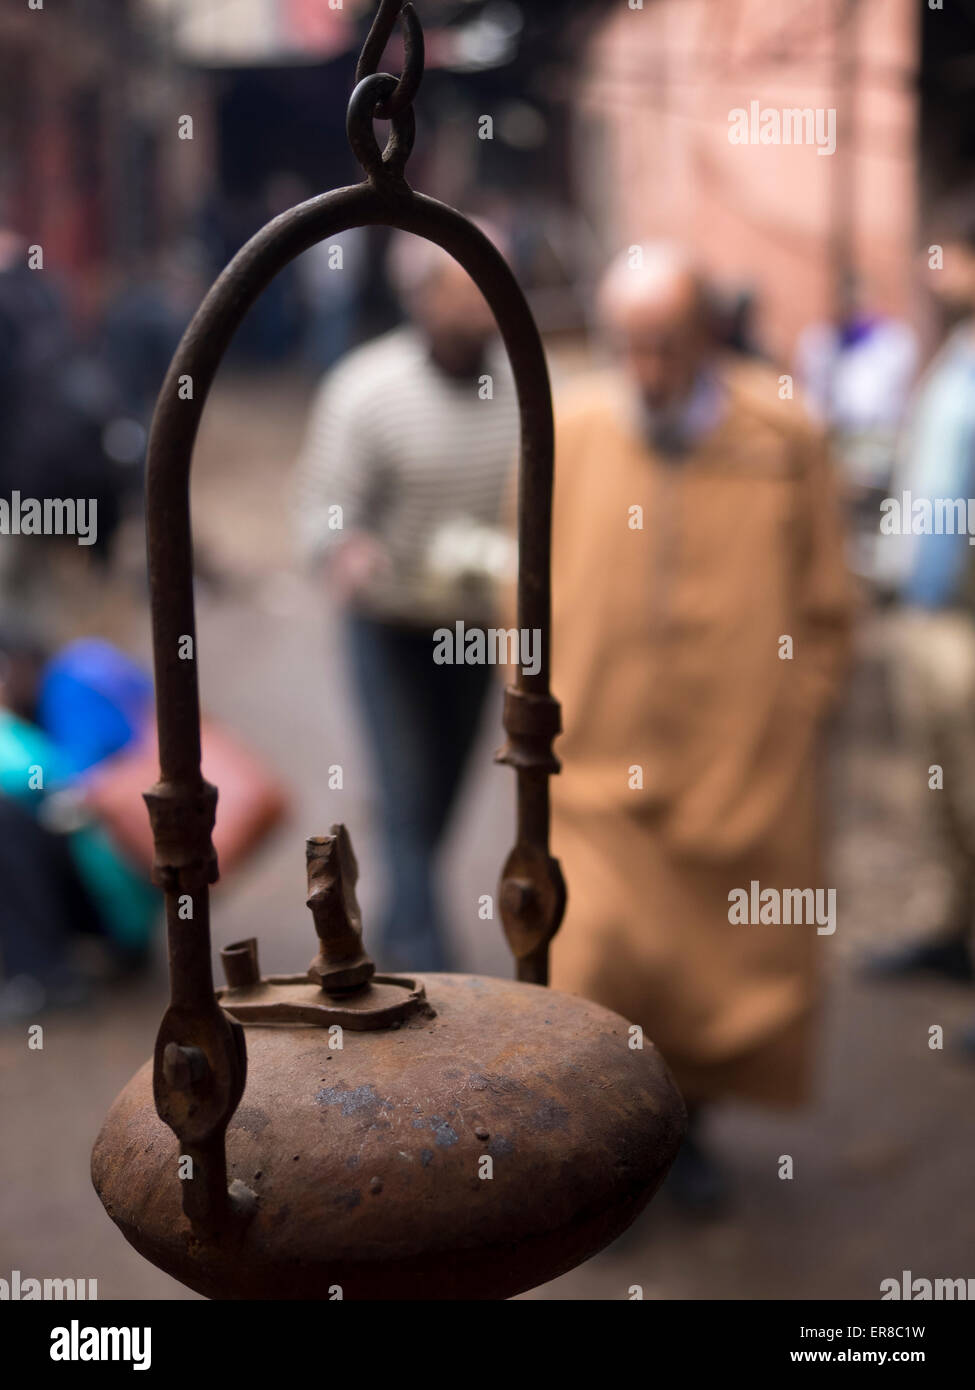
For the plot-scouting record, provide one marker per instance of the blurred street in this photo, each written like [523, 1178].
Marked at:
[879, 1161]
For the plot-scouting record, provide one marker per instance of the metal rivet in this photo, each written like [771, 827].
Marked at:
[182, 1066]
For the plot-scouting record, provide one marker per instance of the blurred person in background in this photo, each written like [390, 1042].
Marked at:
[57, 400]
[857, 373]
[62, 876]
[401, 482]
[696, 525]
[143, 321]
[43, 902]
[331, 274]
[933, 634]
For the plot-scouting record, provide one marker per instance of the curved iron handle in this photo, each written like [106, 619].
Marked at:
[200, 1059]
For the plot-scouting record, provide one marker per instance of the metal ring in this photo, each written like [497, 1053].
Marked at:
[362, 137]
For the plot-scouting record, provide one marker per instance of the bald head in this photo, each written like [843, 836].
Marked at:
[653, 305]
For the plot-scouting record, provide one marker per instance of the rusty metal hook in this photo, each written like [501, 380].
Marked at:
[372, 51]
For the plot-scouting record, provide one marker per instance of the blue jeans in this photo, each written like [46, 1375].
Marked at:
[421, 720]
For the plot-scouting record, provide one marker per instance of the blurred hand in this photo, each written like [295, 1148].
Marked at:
[355, 564]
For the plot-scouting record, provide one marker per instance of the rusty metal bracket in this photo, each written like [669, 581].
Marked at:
[200, 1060]
[342, 965]
[386, 1002]
[341, 985]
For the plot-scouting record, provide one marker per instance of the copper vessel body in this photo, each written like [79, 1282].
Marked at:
[368, 1162]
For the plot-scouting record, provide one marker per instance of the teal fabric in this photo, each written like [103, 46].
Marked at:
[30, 768]
[128, 903]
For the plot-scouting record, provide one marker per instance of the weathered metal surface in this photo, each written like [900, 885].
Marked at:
[386, 1002]
[368, 1162]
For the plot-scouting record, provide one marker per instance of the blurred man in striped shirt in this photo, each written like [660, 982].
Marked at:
[401, 484]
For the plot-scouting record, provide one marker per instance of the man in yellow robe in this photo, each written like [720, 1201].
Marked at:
[701, 624]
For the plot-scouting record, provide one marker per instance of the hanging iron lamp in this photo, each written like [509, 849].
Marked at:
[471, 1137]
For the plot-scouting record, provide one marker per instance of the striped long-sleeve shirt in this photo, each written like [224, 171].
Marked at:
[398, 449]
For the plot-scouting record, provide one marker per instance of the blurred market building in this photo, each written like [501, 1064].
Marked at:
[585, 124]
[783, 226]
[90, 166]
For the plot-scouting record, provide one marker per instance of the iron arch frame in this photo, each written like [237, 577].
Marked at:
[182, 805]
